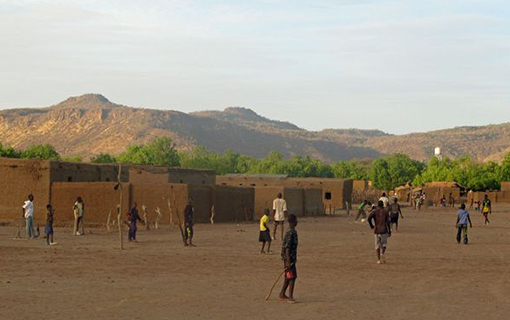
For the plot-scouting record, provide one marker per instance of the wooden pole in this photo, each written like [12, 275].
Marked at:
[119, 216]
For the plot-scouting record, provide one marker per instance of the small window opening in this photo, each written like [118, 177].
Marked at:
[327, 195]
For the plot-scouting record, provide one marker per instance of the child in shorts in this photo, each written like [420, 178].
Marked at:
[265, 234]
[289, 257]
[48, 228]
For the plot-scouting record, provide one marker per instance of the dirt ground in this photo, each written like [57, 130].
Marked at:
[428, 275]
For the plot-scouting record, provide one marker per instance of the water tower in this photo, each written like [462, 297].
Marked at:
[437, 153]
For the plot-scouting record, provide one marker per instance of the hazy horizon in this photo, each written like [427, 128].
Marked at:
[393, 65]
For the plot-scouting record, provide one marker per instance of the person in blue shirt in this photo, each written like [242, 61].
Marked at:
[462, 224]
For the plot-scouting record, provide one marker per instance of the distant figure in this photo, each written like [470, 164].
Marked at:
[486, 209]
[280, 213]
[28, 214]
[385, 200]
[462, 222]
[443, 201]
[423, 198]
[361, 211]
[395, 211]
[48, 227]
[189, 212]
[451, 200]
[379, 221]
[289, 257]
[265, 233]
[419, 201]
[472, 201]
[133, 218]
[79, 212]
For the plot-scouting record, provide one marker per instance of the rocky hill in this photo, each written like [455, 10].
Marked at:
[90, 124]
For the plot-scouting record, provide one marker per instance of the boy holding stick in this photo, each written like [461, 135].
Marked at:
[289, 256]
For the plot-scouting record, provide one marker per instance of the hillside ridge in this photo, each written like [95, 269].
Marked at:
[89, 124]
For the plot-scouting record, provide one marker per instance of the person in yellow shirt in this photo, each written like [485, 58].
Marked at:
[265, 235]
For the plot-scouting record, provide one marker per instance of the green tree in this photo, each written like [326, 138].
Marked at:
[9, 152]
[103, 158]
[391, 172]
[161, 152]
[43, 152]
[504, 174]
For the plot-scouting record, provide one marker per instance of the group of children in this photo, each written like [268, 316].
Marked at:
[289, 244]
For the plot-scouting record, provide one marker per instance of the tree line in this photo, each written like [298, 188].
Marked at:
[386, 173]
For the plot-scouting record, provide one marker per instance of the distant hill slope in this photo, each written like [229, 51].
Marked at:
[90, 124]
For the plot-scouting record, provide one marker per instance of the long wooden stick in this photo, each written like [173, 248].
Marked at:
[119, 216]
[274, 284]
[178, 217]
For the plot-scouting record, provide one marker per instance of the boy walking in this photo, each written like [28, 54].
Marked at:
[462, 222]
[379, 221]
[395, 211]
[265, 235]
[48, 228]
[289, 257]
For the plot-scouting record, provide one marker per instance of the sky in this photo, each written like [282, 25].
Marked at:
[399, 66]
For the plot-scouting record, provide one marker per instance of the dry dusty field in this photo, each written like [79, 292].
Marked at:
[428, 275]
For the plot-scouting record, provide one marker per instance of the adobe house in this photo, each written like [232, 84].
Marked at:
[505, 186]
[336, 193]
[20, 177]
[160, 174]
[436, 190]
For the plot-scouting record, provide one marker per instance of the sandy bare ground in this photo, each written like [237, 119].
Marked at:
[428, 275]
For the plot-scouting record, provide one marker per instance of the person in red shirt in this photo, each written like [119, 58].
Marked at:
[379, 221]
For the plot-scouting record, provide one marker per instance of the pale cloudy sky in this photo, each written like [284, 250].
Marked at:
[399, 66]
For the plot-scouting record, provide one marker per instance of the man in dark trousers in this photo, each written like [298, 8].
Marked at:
[379, 220]
[188, 223]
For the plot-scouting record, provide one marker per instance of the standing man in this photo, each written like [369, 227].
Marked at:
[133, 218]
[188, 223]
[486, 209]
[28, 214]
[79, 211]
[379, 220]
[280, 213]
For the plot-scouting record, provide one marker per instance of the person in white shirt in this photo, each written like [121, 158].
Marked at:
[280, 213]
[28, 214]
[385, 200]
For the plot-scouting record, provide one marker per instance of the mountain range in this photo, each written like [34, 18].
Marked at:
[90, 124]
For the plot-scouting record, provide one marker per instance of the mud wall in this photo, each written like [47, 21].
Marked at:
[264, 197]
[19, 178]
[233, 203]
[191, 176]
[85, 172]
[202, 201]
[99, 197]
[157, 195]
[313, 202]
[139, 175]
[295, 200]
[359, 185]
[505, 186]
